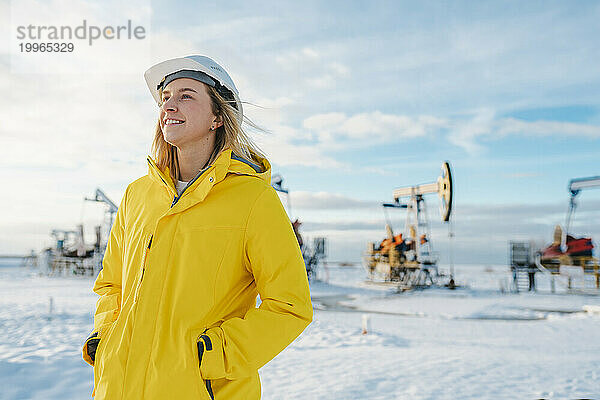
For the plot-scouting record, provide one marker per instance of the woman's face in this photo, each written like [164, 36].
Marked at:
[186, 112]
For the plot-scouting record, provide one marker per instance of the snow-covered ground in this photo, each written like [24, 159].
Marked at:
[471, 343]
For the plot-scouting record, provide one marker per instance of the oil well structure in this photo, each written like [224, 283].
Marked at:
[70, 254]
[406, 259]
[568, 260]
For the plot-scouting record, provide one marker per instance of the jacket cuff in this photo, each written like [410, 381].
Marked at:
[89, 348]
[210, 354]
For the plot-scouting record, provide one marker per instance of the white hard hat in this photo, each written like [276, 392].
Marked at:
[155, 77]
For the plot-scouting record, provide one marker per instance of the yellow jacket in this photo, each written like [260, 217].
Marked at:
[177, 315]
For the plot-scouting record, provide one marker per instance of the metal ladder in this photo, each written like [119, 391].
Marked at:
[521, 284]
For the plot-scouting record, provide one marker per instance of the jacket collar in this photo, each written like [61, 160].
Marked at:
[226, 163]
[161, 177]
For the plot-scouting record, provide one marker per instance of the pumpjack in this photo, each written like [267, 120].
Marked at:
[568, 257]
[71, 254]
[407, 259]
[567, 249]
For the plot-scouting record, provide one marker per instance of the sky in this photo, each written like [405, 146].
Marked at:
[355, 98]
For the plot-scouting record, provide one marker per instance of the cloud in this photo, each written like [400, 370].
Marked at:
[280, 151]
[315, 70]
[324, 122]
[66, 123]
[339, 69]
[468, 133]
[328, 201]
[292, 58]
[464, 134]
[339, 130]
[513, 126]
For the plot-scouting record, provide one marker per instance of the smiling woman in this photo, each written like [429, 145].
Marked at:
[177, 315]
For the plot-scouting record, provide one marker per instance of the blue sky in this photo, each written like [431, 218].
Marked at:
[359, 98]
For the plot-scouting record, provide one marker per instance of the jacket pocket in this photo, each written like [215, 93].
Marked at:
[99, 359]
[204, 344]
[138, 287]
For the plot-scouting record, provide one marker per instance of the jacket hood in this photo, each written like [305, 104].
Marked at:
[226, 163]
[238, 165]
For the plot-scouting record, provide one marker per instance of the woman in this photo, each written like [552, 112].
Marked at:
[177, 315]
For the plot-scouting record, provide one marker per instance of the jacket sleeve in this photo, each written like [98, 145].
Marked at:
[108, 285]
[240, 346]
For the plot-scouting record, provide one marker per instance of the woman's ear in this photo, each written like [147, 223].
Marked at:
[218, 121]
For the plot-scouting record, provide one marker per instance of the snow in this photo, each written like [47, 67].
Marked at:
[471, 343]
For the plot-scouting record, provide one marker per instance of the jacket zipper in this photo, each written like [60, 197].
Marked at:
[176, 198]
[143, 268]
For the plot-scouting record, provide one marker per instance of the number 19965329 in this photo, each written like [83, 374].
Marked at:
[46, 47]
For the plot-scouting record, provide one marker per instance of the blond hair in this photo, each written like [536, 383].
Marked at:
[230, 135]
